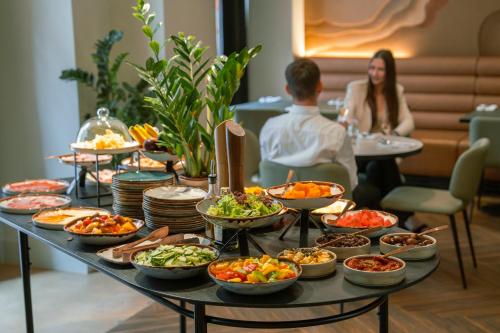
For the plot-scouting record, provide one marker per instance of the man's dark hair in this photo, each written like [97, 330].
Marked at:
[302, 77]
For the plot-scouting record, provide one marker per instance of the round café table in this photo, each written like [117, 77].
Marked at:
[333, 289]
[380, 147]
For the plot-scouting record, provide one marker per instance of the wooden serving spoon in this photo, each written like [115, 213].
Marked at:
[357, 233]
[288, 180]
[153, 236]
[429, 231]
[397, 251]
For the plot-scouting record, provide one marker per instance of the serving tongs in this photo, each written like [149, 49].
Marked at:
[152, 237]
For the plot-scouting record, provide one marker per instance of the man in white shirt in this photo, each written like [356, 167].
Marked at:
[303, 137]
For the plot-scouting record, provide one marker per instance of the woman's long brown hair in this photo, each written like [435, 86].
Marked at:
[390, 91]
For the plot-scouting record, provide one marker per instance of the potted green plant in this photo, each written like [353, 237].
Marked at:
[124, 101]
[185, 85]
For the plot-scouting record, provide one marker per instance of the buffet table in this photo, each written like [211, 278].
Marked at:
[201, 291]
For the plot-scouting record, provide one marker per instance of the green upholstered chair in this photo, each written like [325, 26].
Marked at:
[252, 157]
[463, 187]
[274, 174]
[487, 127]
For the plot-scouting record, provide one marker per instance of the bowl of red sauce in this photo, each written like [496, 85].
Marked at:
[374, 270]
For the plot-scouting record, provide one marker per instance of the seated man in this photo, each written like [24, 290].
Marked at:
[303, 137]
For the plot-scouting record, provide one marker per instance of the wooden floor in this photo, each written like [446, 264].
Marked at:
[438, 304]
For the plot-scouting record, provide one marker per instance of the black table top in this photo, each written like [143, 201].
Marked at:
[329, 290]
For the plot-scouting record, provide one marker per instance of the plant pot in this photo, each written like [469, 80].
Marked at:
[200, 182]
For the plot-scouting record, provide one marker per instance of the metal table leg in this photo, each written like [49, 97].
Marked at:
[200, 319]
[25, 274]
[383, 315]
[182, 319]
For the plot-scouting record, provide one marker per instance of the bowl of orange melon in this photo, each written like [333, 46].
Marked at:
[307, 194]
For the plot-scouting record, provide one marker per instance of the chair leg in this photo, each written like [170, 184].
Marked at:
[457, 249]
[480, 191]
[469, 236]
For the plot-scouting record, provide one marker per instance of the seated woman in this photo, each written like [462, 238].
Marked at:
[378, 105]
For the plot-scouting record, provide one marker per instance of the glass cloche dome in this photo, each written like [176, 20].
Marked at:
[105, 127]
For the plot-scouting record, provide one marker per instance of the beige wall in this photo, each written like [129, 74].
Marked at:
[95, 18]
[454, 30]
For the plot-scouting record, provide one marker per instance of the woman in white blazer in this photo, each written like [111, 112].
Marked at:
[378, 105]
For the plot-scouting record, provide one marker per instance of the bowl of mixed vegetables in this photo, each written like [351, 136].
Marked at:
[240, 210]
[254, 276]
[103, 229]
[173, 262]
[315, 262]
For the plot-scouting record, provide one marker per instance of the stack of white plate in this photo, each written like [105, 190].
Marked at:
[173, 206]
[127, 190]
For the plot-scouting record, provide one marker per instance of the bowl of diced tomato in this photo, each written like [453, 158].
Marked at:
[254, 276]
[356, 220]
[307, 194]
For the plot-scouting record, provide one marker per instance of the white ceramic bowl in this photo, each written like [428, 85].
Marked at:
[238, 222]
[103, 239]
[417, 253]
[255, 288]
[346, 252]
[317, 270]
[374, 279]
[328, 218]
[171, 273]
[336, 192]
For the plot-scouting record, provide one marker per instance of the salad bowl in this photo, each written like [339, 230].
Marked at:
[247, 222]
[171, 272]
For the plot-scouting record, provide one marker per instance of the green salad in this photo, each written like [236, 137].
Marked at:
[243, 205]
[175, 256]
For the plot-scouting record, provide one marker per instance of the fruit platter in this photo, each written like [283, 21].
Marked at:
[147, 137]
[254, 276]
[240, 210]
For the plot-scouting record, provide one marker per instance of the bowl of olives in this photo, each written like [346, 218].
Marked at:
[426, 246]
